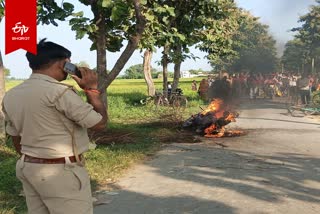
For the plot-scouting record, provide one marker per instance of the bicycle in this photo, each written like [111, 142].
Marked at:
[311, 108]
[147, 101]
[175, 99]
[161, 100]
[158, 100]
[316, 99]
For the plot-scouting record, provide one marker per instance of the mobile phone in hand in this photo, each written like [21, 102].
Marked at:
[72, 69]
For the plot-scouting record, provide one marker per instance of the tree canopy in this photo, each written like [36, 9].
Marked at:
[136, 72]
[294, 55]
[179, 24]
[252, 47]
[305, 47]
[7, 72]
[112, 23]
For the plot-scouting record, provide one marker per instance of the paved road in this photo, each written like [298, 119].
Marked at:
[275, 168]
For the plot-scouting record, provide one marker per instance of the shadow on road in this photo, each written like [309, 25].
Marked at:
[136, 203]
[206, 185]
[280, 120]
[266, 178]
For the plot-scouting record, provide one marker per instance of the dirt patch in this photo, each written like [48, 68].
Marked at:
[113, 137]
[175, 136]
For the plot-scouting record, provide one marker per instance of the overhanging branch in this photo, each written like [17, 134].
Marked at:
[132, 43]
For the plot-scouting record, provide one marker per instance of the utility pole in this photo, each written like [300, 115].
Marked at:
[312, 66]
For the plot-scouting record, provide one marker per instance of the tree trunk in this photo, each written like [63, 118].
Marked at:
[102, 59]
[177, 69]
[105, 79]
[2, 93]
[176, 75]
[147, 72]
[165, 62]
[100, 40]
[131, 46]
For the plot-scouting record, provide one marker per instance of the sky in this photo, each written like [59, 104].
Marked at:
[280, 15]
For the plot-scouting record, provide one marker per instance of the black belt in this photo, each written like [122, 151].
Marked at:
[31, 159]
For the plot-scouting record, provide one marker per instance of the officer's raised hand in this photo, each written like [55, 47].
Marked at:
[89, 78]
[89, 83]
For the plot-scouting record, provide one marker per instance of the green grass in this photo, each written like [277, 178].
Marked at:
[10, 187]
[107, 162]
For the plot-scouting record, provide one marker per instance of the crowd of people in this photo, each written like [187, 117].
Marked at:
[296, 87]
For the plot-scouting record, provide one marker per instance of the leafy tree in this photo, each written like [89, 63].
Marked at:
[6, 72]
[174, 26]
[219, 41]
[136, 72]
[158, 31]
[252, 47]
[203, 16]
[294, 56]
[309, 33]
[156, 75]
[113, 22]
[193, 71]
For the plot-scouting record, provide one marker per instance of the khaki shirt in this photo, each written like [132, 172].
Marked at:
[40, 110]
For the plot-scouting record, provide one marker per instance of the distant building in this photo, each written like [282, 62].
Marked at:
[202, 74]
[185, 74]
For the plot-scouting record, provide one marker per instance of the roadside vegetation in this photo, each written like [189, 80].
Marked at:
[134, 133]
[232, 38]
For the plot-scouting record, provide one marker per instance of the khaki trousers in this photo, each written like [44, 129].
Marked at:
[55, 188]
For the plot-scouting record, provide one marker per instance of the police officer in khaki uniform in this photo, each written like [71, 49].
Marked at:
[48, 123]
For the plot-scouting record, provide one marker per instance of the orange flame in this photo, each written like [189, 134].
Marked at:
[214, 131]
[231, 117]
[214, 106]
[210, 129]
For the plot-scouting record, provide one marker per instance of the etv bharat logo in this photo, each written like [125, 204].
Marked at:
[22, 29]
